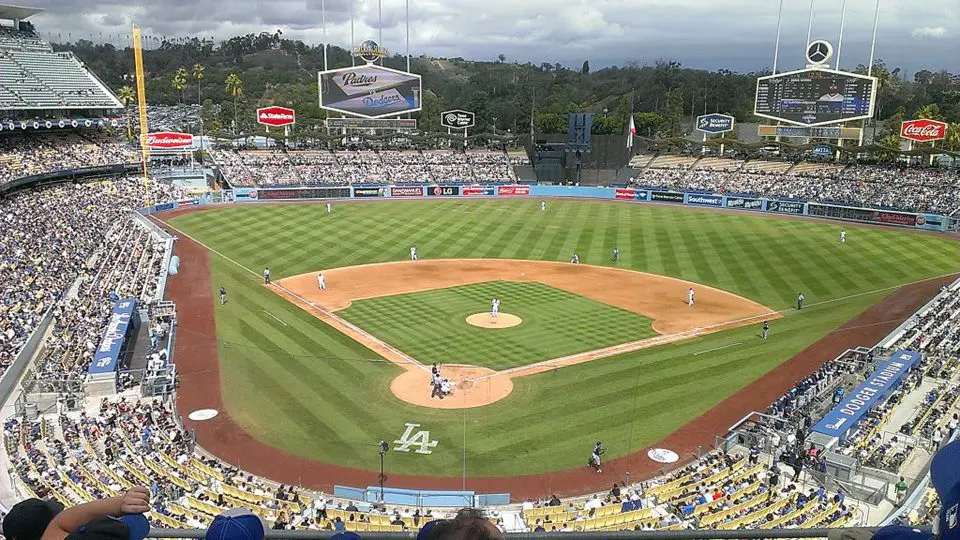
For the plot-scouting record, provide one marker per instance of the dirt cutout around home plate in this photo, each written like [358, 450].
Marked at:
[487, 320]
[661, 298]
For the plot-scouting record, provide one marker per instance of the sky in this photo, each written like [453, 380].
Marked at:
[711, 34]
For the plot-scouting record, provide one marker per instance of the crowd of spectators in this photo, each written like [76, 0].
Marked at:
[911, 189]
[26, 154]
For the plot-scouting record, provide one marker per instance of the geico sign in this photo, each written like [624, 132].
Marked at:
[169, 139]
[276, 116]
[923, 130]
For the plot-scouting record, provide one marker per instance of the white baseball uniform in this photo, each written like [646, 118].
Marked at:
[543, 206]
[413, 253]
[329, 208]
[843, 237]
[690, 297]
[321, 282]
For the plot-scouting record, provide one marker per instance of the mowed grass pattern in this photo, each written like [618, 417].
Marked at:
[308, 390]
[430, 326]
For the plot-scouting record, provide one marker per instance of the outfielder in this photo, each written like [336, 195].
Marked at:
[329, 208]
[800, 299]
[413, 253]
[543, 206]
[843, 237]
[266, 275]
[690, 294]
[223, 296]
[598, 451]
[764, 330]
[321, 282]
[615, 256]
[575, 259]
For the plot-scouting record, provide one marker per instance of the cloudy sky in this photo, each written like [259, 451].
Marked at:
[712, 34]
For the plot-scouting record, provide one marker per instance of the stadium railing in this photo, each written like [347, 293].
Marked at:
[631, 535]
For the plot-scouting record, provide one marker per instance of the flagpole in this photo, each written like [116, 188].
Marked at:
[809, 24]
[776, 48]
[408, 36]
[323, 19]
[353, 43]
[843, 16]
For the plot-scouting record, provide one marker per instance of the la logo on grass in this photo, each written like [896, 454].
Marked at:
[420, 439]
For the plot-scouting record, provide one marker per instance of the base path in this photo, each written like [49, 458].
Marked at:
[199, 367]
[661, 298]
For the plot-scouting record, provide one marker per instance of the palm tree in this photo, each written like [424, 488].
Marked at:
[235, 89]
[180, 81]
[198, 76]
[126, 96]
[952, 141]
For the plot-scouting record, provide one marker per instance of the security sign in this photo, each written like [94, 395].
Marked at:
[458, 119]
[715, 123]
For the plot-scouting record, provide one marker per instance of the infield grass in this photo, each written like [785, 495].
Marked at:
[307, 389]
[430, 326]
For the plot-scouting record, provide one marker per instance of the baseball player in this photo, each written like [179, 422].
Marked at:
[413, 253]
[764, 330]
[843, 237]
[615, 256]
[329, 208]
[575, 259]
[494, 308]
[266, 275]
[800, 299]
[223, 296]
[690, 294]
[321, 282]
[598, 451]
[543, 206]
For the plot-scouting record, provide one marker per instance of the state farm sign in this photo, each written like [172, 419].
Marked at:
[276, 116]
[923, 130]
[169, 139]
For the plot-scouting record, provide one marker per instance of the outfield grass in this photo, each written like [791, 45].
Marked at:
[430, 326]
[311, 391]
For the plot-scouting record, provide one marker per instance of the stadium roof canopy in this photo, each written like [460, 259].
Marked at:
[17, 13]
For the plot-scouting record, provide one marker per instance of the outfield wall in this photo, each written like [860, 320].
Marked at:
[911, 220]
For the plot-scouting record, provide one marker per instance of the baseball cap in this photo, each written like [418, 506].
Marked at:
[345, 535]
[427, 529]
[126, 527]
[237, 524]
[29, 518]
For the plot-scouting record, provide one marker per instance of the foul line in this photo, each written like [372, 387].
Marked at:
[275, 317]
[718, 348]
[331, 315]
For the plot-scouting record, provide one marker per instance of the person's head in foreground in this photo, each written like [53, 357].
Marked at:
[945, 475]
[126, 527]
[29, 518]
[469, 524]
[237, 524]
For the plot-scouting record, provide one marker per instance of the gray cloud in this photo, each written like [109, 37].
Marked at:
[733, 34]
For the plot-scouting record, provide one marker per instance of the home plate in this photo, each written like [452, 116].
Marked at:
[200, 415]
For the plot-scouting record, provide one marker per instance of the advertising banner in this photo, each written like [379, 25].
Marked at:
[641, 195]
[276, 116]
[458, 119]
[305, 193]
[478, 191]
[511, 191]
[715, 123]
[931, 222]
[369, 91]
[843, 417]
[245, 194]
[704, 200]
[369, 192]
[785, 207]
[406, 191]
[666, 196]
[443, 191]
[626, 194]
[886, 217]
[923, 130]
[168, 140]
[107, 356]
[745, 203]
[845, 133]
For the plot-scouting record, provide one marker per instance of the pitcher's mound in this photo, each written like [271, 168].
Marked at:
[503, 320]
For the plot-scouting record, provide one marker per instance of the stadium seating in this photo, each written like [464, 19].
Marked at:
[35, 153]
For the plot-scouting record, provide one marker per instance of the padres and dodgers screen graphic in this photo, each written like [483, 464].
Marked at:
[369, 91]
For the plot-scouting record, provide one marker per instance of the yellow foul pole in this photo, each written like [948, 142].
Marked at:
[141, 101]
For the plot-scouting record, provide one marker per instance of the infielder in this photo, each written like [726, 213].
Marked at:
[223, 296]
[543, 206]
[575, 259]
[321, 282]
[690, 297]
[800, 299]
[413, 253]
[843, 237]
[329, 208]
[266, 275]
[598, 451]
[764, 330]
[615, 256]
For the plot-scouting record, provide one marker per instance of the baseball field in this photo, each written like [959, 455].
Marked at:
[313, 373]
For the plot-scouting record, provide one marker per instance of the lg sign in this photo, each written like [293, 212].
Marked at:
[169, 139]
[276, 116]
[923, 130]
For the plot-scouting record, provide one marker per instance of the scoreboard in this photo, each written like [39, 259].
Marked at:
[815, 97]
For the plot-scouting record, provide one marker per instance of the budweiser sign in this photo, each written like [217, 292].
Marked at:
[923, 130]
[276, 116]
[169, 139]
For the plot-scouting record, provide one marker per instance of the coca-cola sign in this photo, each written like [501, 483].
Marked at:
[923, 130]
[169, 139]
[276, 116]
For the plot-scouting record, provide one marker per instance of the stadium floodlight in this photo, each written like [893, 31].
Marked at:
[382, 448]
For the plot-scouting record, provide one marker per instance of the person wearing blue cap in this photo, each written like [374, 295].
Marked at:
[69, 522]
[237, 524]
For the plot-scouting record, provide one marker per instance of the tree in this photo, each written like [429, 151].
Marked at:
[930, 111]
[585, 69]
[501, 58]
[551, 123]
[673, 113]
[180, 81]
[952, 142]
[197, 72]
[126, 96]
[235, 88]
[649, 124]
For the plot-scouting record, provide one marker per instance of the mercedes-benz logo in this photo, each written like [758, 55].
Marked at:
[819, 51]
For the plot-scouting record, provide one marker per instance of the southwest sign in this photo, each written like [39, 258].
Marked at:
[715, 123]
[923, 130]
[276, 116]
[169, 140]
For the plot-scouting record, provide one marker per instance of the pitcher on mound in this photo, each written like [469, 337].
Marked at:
[494, 309]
